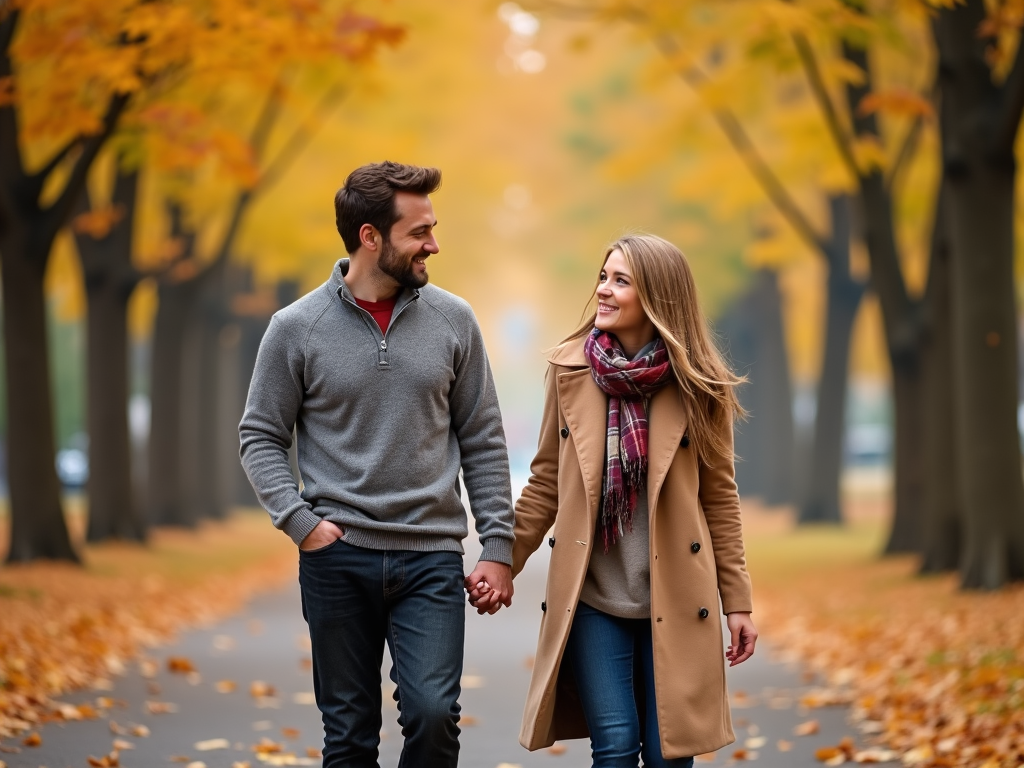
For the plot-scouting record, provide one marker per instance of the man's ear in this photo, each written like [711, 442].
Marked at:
[369, 237]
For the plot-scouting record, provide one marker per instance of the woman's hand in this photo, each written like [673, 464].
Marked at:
[743, 635]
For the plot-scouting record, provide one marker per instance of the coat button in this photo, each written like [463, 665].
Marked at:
[544, 606]
[695, 547]
[551, 542]
[703, 613]
[685, 442]
[564, 432]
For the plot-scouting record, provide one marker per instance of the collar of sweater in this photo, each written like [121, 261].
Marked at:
[405, 296]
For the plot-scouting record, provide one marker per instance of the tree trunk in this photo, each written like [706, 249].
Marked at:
[821, 503]
[37, 519]
[765, 442]
[112, 511]
[165, 499]
[902, 321]
[906, 534]
[980, 172]
[109, 282]
[200, 475]
[941, 508]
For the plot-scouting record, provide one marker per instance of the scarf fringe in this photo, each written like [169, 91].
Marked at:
[618, 505]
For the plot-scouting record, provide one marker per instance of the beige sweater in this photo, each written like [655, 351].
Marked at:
[619, 582]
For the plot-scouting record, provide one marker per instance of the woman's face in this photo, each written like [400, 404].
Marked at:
[618, 305]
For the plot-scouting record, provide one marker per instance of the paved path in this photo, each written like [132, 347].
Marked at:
[268, 643]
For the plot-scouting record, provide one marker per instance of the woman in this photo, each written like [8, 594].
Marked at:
[635, 471]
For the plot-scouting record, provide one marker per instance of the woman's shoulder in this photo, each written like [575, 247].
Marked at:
[569, 354]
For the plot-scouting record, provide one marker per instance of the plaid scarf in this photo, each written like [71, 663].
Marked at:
[629, 385]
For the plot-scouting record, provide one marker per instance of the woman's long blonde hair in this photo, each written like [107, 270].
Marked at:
[668, 295]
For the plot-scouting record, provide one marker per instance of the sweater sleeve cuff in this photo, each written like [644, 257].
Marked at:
[300, 524]
[497, 549]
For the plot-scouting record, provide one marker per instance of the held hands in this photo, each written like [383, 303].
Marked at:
[490, 587]
[325, 534]
[742, 637]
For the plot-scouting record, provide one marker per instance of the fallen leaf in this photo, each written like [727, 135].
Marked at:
[141, 731]
[744, 754]
[259, 689]
[148, 667]
[707, 757]
[225, 686]
[755, 742]
[241, 764]
[180, 759]
[290, 733]
[32, 740]
[509, 765]
[557, 749]
[529, 661]
[118, 730]
[468, 720]
[876, 755]
[918, 755]
[160, 707]
[807, 728]
[742, 700]
[472, 681]
[824, 754]
[304, 697]
[262, 725]
[224, 642]
[267, 747]
[313, 752]
[179, 665]
[209, 744]
[122, 744]
[784, 746]
[196, 764]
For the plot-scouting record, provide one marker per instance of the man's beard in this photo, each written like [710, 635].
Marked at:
[399, 268]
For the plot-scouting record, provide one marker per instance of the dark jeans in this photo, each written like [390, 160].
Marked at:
[613, 662]
[354, 601]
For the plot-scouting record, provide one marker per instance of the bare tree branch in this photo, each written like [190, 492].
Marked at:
[909, 143]
[744, 146]
[301, 137]
[820, 90]
[62, 207]
[41, 175]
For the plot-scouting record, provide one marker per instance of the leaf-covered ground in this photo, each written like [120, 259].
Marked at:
[66, 627]
[933, 676]
[931, 672]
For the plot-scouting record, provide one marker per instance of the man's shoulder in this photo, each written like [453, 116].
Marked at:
[304, 311]
[455, 308]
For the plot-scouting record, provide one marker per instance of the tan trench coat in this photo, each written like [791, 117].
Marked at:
[696, 551]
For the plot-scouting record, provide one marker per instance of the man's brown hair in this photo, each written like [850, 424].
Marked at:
[368, 197]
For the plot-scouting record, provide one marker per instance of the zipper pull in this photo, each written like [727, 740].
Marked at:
[382, 355]
[383, 345]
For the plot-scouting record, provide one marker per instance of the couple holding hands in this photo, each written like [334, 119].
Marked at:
[384, 381]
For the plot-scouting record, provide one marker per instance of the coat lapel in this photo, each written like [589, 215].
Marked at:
[667, 420]
[586, 415]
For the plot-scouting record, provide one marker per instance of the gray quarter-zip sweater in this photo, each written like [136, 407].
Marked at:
[384, 423]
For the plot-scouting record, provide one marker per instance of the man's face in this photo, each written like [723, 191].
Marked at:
[403, 255]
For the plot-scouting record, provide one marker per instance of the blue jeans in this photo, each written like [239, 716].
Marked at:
[613, 663]
[355, 600]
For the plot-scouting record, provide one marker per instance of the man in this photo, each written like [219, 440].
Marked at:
[386, 382]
